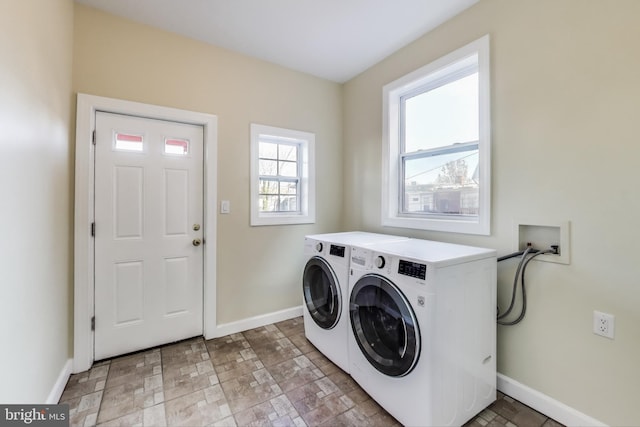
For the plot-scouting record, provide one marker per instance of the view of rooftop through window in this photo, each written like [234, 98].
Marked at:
[440, 157]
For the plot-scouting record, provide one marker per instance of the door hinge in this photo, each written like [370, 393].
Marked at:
[93, 229]
[93, 323]
[93, 137]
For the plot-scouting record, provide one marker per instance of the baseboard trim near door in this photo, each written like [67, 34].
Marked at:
[545, 404]
[60, 384]
[256, 321]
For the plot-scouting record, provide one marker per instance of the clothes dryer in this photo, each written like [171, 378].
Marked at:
[422, 336]
[325, 283]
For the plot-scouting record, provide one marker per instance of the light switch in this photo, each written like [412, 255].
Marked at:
[225, 206]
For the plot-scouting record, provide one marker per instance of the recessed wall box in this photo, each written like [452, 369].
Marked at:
[541, 236]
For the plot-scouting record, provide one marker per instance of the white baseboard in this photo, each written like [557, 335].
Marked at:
[545, 404]
[60, 384]
[255, 322]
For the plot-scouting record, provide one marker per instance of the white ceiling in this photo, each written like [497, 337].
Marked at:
[331, 39]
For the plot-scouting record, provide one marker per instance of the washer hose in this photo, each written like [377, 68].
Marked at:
[520, 271]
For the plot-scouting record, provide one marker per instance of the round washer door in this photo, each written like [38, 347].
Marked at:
[384, 325]
[321, 293]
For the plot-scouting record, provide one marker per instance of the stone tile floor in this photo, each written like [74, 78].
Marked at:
[268, 376]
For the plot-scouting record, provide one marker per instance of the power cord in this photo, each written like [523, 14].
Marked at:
[520, 273]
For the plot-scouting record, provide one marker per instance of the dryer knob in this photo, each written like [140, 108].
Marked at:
[380, 262]
[319, 246]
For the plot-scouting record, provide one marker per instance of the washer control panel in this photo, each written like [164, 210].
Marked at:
[337, 250]
[412, 269]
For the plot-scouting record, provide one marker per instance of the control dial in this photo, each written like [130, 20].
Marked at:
[319, 246]
[380, 261]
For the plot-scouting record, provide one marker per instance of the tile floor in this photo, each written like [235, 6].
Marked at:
[269, 376]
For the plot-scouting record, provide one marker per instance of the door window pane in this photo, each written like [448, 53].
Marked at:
[128, 142]
[176, 146]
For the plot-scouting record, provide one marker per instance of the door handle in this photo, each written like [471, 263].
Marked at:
[196, 242]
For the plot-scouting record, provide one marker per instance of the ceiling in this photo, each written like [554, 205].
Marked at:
[332, 39]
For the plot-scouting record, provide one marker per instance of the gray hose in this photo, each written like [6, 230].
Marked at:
[514, 290]
[524, 294]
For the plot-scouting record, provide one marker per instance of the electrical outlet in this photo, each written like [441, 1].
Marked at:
[603, 324]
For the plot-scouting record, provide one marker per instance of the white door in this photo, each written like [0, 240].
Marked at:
[148, 232]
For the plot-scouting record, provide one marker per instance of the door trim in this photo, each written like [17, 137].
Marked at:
[87, 105]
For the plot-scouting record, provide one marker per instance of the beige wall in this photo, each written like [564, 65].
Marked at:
[35, 184]
[259, 268]
[565, 108]
[564, 111]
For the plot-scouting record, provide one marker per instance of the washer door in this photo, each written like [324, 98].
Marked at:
[321, 293]
[384, 325]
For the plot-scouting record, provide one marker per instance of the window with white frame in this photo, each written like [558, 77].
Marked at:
[437, 167]
[282, 176]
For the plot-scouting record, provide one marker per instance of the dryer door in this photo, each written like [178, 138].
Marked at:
[384, 325]
[321, 293]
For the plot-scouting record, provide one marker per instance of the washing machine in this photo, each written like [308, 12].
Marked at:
[325, 283]
[422, 336]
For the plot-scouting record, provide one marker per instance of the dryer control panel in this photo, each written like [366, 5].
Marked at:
[412, 269]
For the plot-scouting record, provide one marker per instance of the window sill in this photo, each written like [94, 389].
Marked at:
[279, 219]
[463, 226]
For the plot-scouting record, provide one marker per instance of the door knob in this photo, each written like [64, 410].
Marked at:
[196, 242]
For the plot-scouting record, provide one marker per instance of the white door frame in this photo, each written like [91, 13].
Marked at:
[84, 201]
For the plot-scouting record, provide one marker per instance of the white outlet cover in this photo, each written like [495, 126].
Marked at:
[603, 324]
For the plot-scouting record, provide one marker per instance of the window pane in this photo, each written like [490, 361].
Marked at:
[442, 184]
[128, 142]
[287, 187]
[176, 146]
[268, 187]
[268, 203]
[288, 152]
[288, 203]
[268, 167]
[443, 116]
[288, 169]
[268, 150]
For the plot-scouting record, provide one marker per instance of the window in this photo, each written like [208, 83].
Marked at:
[128, 142]
[175, 146]
[282, 176]
[437, 145]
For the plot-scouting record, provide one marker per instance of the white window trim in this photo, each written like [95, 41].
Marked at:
[307, 213]
[391, 144]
